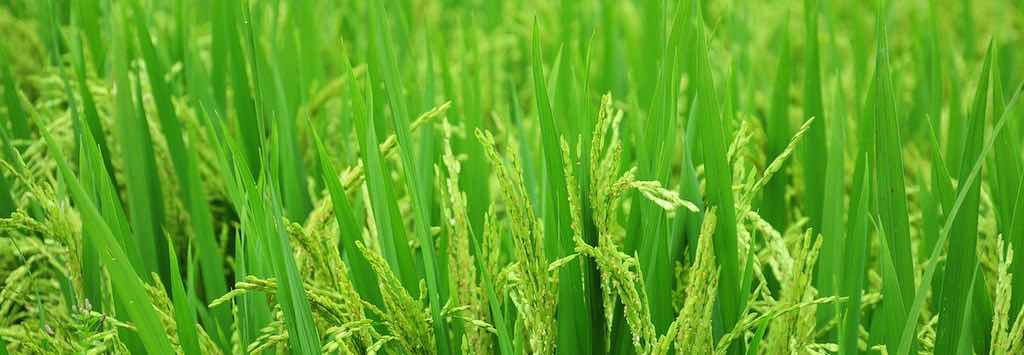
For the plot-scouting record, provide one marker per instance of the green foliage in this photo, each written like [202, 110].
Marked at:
[453, 177]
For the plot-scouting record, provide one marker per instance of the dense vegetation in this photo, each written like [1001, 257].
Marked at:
[522, 177]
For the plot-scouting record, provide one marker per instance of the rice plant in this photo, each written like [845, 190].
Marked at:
[526, 177]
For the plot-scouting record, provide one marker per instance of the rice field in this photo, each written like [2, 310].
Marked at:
[524, 177]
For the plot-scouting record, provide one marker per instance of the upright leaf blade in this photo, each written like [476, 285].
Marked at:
[855, 260]
[399, 114]
[814, 148]
[718, 175]
[962, 257]
[775, 205]
[890, 192]
[145, 201]
[574, 325]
